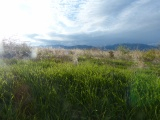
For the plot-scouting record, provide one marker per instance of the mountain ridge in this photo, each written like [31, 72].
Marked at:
[131, 46]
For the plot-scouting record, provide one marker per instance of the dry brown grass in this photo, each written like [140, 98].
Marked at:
[137, 58]
[21, 51]
[93, 53]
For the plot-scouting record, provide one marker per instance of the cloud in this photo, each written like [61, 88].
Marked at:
[91, 22]
[107, 22]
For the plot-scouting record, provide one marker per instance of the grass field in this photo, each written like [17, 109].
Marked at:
[58, 84]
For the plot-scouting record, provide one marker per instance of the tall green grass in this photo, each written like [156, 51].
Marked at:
[92, 90]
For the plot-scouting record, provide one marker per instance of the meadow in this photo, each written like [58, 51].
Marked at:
[59, 84]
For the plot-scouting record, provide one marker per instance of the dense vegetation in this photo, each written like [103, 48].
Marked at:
[58, 84]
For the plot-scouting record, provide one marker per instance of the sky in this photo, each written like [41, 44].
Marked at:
[80, 22]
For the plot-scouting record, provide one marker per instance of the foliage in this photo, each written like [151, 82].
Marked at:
[149, 55]
[111, 54]
[124, 52]
[13, 50]
[52, 87]
[123, 49]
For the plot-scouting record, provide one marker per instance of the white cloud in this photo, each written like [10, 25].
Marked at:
[80, 19]
[113, 16]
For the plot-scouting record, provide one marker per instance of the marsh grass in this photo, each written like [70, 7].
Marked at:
[79, 85]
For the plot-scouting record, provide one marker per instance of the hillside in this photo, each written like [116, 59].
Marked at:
[107, 47]
[74, 84]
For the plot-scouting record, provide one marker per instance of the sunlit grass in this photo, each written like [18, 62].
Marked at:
[51, 86]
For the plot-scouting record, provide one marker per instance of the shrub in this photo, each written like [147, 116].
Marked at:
[111, 54]
[149, 55]
[124, 52]
[123, 49]
[13, 50]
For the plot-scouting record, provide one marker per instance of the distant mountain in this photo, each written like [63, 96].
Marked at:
[108, 47]
[130, 46]
[72, 47]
